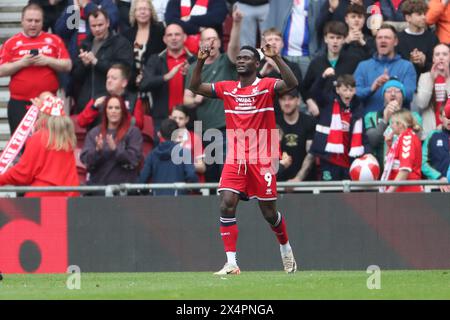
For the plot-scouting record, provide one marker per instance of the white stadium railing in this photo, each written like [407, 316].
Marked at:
[315, 187]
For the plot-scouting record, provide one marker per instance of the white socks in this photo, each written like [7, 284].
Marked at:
[285, 248]
[231, 257]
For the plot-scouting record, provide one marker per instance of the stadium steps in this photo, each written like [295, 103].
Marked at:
[10, 14]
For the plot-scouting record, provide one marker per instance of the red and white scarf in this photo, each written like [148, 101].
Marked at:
[18, 139]
[440, 96]
[335, 140]
[388, 164]
[200, 8]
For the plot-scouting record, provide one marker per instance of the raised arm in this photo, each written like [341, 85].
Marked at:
[289, 81]
[196, 85]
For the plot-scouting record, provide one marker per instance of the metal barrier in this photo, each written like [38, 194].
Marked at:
[315, 187]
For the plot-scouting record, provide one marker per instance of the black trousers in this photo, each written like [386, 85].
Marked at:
[16, 111]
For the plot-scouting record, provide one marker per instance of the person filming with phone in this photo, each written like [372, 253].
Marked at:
[32, 58]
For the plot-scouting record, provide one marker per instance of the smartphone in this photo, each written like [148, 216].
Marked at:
[34, 52]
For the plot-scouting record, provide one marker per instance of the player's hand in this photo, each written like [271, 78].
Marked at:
[99, 142]
[417, 57]
[204, 51]
[269, 51]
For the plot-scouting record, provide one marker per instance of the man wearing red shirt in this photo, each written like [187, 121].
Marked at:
[252, 145]
[32, 58]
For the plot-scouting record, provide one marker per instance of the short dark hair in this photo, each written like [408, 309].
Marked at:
[409, 7]
[96, 12]
[388, 26]
[124, 70]
[168, 126]
[252, 49]
[32, 6]
[356, 9]
[182, 108]
[346, 80]
[336, 27]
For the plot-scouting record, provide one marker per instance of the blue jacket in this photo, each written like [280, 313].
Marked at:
[279, 13]
[160, 168]
[325, 101]
[436, 154]
[66, 20]
[368, 70]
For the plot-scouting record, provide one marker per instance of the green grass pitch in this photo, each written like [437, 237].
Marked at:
[430, 284]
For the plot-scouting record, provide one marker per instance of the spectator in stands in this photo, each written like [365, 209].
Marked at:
[145, 35]
[268, 67]
[377, 123]
[298, 132]
[436, 152]
[73, 25]
[339, 136]
[33, 59]
[357, 43]
[52, 11]
[96, 55]
[196, 15]
[416, 42]
[160, 167]
[296, 21]
[113, 150]
[438, 14]
[404, 159]
[116, 85]
[189, 140]
[164, 75]
[336, 10]
[218, 66]
[254, 12]
[373, 73]
[433, 88]
[341, 62]
[48, 159]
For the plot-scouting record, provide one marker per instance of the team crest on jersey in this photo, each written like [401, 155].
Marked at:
[19, 43]
[234, 91]
[48, 40]
[439, 143]
[255, 90]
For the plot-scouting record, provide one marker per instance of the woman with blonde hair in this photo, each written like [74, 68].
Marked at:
[48, 158]
[145, 35]
[404, 159]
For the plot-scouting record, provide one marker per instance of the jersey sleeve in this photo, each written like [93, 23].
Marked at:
[5, 55]
[63, 53]
[407, 153]
[218, 88]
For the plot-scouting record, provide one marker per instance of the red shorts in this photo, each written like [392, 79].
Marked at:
[255, 181]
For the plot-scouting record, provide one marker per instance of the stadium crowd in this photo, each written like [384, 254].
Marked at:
[373, 79]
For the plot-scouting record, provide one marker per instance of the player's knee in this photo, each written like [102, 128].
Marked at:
[227, 208]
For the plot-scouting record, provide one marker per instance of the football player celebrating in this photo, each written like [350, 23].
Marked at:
[252, 145]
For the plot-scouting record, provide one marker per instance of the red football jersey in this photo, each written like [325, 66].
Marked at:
[31, 81]
[408, 156]
[250, 119]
